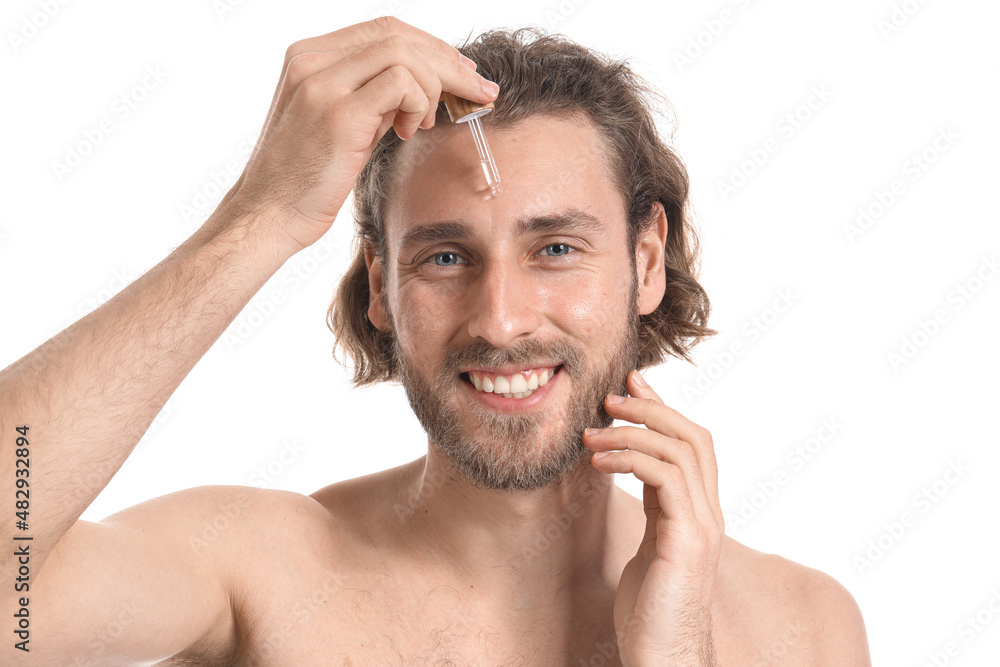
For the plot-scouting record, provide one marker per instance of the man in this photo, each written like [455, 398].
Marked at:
[514, 323]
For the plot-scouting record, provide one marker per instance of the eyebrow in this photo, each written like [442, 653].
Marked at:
[453, 230]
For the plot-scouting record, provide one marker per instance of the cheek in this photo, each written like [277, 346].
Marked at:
[591, 307]
[421, 319]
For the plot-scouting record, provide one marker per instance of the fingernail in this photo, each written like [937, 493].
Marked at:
[490, 88]
[639, 380]
[615, 398]
[468, 62]
[601, 455]
[591, 431]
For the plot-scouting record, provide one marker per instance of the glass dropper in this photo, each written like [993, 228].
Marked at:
[485, 156]
[463, 111]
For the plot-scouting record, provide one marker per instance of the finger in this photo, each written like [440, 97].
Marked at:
[345, 75]
[643, 440]
[645, 407]
[637, 386]
[457, 79]
[335, 46]
[458, 72]
[342, 85]
[653, 413]
[294, 73]
[661, 447]
[383, 127]
[394, 90]
[359, 68]
[670, 509]
[356, 37]
[333, 54]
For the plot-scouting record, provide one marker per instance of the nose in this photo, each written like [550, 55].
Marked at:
[502, 304]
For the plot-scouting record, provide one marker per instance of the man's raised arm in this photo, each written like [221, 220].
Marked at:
[80, 402]
[75, 407]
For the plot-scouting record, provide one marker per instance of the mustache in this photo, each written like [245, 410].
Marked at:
[525, 353]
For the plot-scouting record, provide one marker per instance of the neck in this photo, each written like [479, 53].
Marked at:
[570, 532]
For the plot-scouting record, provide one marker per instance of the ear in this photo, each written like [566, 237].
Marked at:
[649, 258]
[375, 311]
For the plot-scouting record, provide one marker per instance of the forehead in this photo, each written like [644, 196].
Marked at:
[548, 165]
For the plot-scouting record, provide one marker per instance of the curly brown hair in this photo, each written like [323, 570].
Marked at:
[541, 73]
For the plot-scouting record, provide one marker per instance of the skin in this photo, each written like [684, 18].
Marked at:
[415, 564]
[504, 292]
[522, 306]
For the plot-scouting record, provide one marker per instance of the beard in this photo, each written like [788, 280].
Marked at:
[507, 454]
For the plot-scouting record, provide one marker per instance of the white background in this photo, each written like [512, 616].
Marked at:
[889, 91]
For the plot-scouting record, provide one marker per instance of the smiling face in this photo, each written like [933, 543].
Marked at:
[512, 316]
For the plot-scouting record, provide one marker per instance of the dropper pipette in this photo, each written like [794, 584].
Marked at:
[485, 156]
[463, 111]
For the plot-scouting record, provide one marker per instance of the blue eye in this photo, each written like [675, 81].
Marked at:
[454, 256]
[451, 258]
[562, 246]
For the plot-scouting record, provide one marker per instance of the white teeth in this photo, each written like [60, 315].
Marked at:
[525, 394]
[515, 386]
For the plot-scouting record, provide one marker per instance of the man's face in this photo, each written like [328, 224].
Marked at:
[482, 289]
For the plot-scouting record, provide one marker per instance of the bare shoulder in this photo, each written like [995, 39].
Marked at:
[234, 532]
[227, 531]
[785, 612]
[216, 512]
[177, 570]
[369, 498]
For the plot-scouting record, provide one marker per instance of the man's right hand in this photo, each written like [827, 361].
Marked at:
[90, 393]
[337, 95]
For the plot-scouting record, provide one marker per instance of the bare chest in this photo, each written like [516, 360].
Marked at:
[380, 620]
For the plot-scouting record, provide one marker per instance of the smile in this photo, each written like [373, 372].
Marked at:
[518, 385]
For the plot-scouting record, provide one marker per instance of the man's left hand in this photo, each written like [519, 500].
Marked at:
[663, 605]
